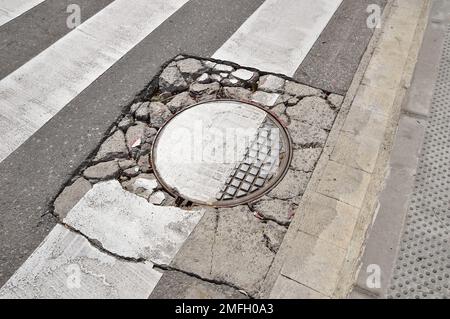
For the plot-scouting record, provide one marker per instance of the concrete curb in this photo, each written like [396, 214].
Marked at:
[320, 255]
[383, 242]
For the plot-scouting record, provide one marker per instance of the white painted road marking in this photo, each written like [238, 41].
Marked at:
[279, 35]
[129, 226]
[66, 265]
[11, 9]
[34, 93]
[124, 224]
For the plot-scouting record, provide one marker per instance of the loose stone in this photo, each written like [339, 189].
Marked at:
[113, 147]
[204, 78]
[190, 67]
[159, 114]
[204, 89]
[223, 68]
[237, 93]
[171, 80]
[243, 74]
[134, 107]
[157, 198]
[144, 164]
[131, 172]
[102, 171]
[142, 113]
[125, 123]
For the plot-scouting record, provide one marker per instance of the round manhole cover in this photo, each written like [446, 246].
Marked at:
[221, 153]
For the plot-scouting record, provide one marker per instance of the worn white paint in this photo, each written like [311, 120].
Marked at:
[279, 34]
[35, 92]
[11, 9]
[208, 140]
[129, 226]
[66, 265]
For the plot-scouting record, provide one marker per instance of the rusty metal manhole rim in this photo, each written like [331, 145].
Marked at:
[252, 197]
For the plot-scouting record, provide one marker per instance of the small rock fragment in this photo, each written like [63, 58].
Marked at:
[180, 101]
[223, 68]
[171, 80]
[142, 113]
[144, 164]
[243, 74]
[216, 77]
[113, 147]
[230, 82]
[102, 171]
[124, 164]
[125, 123]
[134, 107]
[190, 67]
[209, 64]
[236, 93]
[157, 198]
[204, 78]
[159, 114]
[204, 89]
[138, 133]
[131, 172]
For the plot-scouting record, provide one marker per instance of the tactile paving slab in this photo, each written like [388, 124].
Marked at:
[422, 268]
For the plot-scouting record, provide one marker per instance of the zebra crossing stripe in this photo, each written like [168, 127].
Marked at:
[34, 93]
[11, 9]
[279, 35]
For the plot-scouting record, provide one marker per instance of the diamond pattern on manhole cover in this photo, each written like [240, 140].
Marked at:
[221, 153]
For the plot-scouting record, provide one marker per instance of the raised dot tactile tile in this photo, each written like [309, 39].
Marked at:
[422, 268]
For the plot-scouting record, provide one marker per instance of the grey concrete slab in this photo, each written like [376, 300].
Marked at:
[36, 171]
[334, 59]
[26, 36]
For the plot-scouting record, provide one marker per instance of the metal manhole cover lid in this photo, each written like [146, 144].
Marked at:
[221, 153]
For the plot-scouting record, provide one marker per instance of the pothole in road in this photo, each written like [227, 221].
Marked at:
[221, 153]
[206, 156]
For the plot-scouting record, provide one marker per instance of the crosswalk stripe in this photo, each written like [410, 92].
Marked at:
[279, 35]
[11, 9]
[34, 93]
